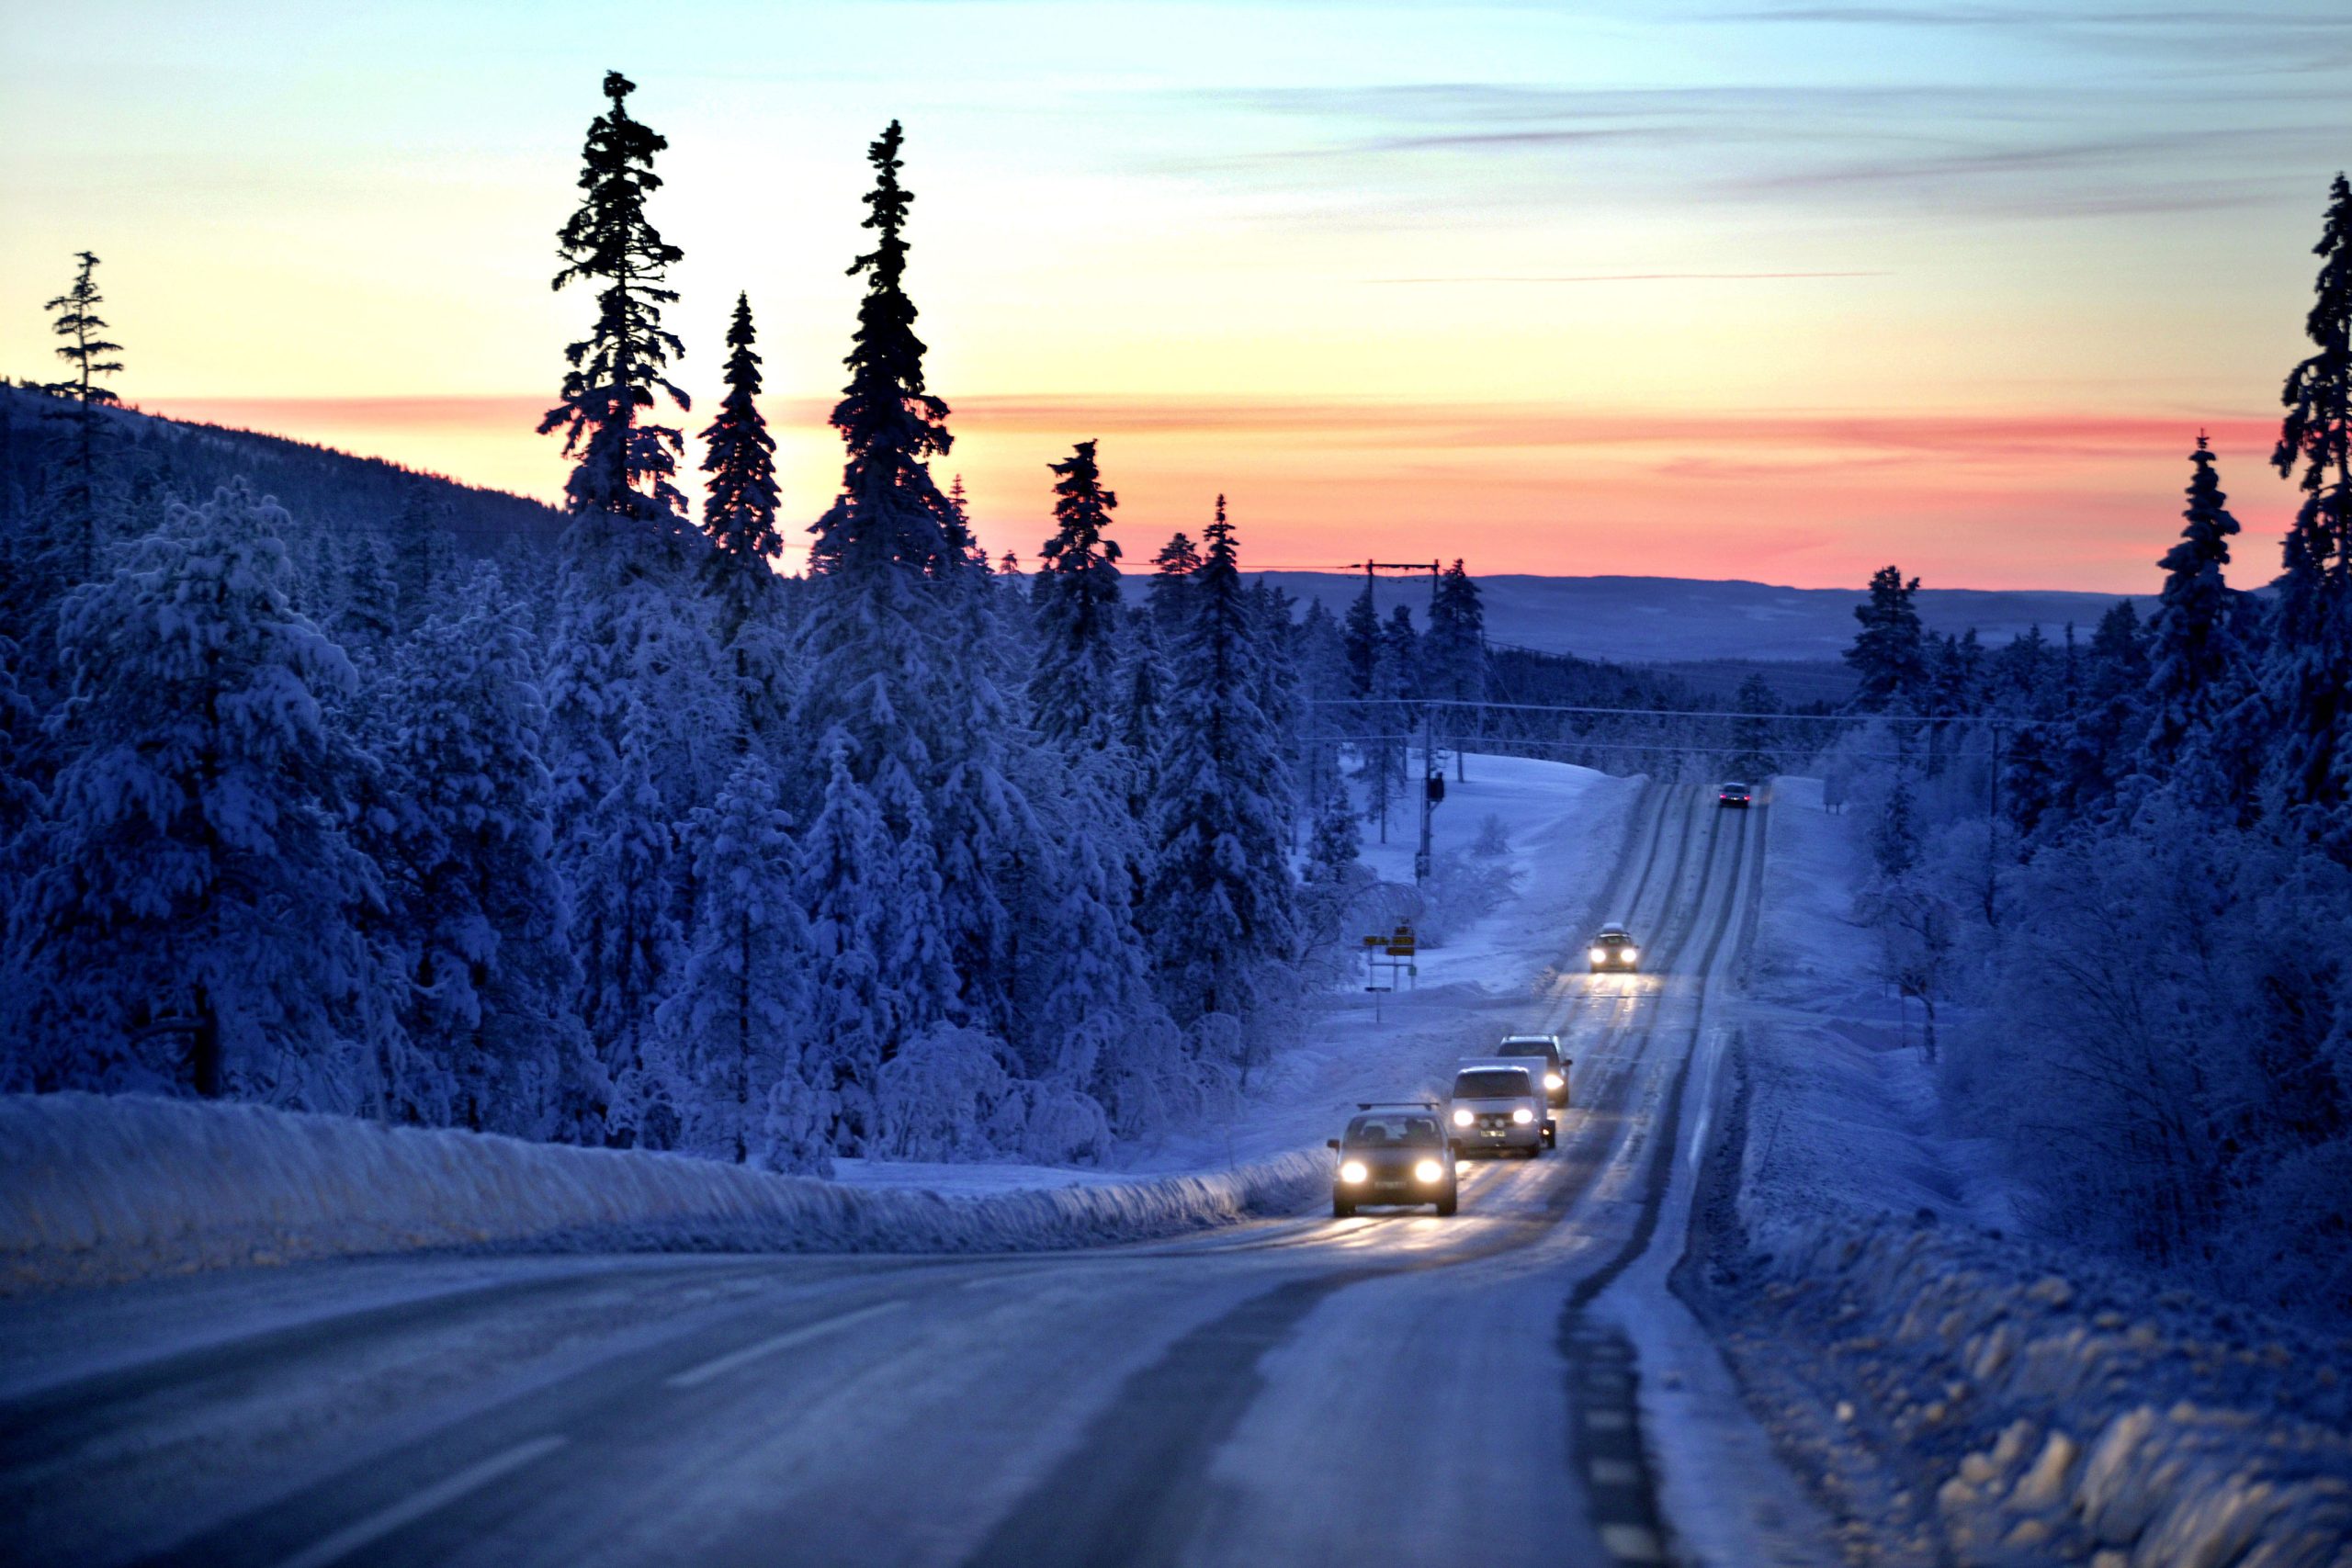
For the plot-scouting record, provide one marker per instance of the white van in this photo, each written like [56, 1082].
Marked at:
[1497, 1104]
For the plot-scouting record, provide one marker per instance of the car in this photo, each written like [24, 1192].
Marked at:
[1498, 1105]
[1735, 794]
[1545, 1048]
[1614, 951]
[1393, 1154]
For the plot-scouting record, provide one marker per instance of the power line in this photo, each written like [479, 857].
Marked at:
[1663, 713]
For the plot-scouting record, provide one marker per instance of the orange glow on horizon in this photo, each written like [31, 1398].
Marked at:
[1804, 500]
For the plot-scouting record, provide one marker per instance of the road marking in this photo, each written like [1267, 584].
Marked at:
[750, 1353]
[440, 1495]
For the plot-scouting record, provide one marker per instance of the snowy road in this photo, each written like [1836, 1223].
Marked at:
[1394, 1387]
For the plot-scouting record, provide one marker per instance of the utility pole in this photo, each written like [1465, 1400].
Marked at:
[1432, 780]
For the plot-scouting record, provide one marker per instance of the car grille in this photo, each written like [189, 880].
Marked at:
[1493, 1122]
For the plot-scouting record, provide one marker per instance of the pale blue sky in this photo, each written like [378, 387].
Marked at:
[1984, 210]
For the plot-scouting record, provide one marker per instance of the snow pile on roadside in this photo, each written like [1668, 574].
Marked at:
[2059, 1418]
[97, 1190]
[1956, 1394]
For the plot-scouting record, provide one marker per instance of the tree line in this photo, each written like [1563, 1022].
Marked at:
[617, 835]
[2127, 858]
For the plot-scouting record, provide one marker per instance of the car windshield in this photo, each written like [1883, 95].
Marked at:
[1392, 1129]
[1612, 939]
[1526, 1048]
[1491, 1083]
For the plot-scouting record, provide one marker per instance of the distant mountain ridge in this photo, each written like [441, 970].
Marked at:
[1661, 619]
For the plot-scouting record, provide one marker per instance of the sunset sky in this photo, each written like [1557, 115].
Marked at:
[1769, 291]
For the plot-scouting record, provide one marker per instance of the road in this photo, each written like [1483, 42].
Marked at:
[1394, 1388]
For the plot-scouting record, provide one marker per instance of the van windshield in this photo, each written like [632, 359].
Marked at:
[1491, 1083]
[1392, 1130]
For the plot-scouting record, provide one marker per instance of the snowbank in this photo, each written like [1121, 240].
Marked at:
[1957, 1393]
[97, 1190]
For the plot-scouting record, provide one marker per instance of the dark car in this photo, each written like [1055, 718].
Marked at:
[1555, 1065]
[1393, 1154]
[1732, 795]
[1614, 951]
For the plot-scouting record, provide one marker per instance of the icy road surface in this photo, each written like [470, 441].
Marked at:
[1394, 1388]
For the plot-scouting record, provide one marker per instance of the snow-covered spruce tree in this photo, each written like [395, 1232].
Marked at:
[2193, 645]
[1142, 704]
[738, 1018]
[2308, 673]
[193, 914]
[626, 935]
[1335, 879]
[905, 658]
[1453, 649]
[1360, 629]
[739, 510]
[75, 319]
[625, 465]
[1389, 718]
[480, 903]
[1171, 583]
[642, 716]
[1219, 905]
[1887, 652]
[848, 872]
[1075, 604]
[2104, 728]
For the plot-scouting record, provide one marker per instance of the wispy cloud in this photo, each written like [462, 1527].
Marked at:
[1636, 277]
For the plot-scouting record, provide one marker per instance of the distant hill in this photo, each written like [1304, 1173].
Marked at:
[1677, 619]
[324, 490]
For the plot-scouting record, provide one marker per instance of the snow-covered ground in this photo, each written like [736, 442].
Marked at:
[98, 1190]
[1956, 1390]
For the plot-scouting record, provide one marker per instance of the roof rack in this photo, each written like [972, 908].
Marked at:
[1416, 1104]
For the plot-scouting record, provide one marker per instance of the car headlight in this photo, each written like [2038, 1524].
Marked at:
[1554, 1080]
[1429, 1171]
[1631, 955]
[1600, 955]
[1352, 1171]
[1522, 1116]
[1463, 1118]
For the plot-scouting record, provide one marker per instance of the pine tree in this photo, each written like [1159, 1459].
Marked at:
[1220, 899]
[2309, 668]
[194, 915]
[1076, 606]
[738, 1020]
[77, 320]
[739, 510]
[2192, 645]
[626, 466]
[1888, 653]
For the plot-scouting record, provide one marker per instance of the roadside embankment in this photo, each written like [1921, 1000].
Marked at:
[100, 1191]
